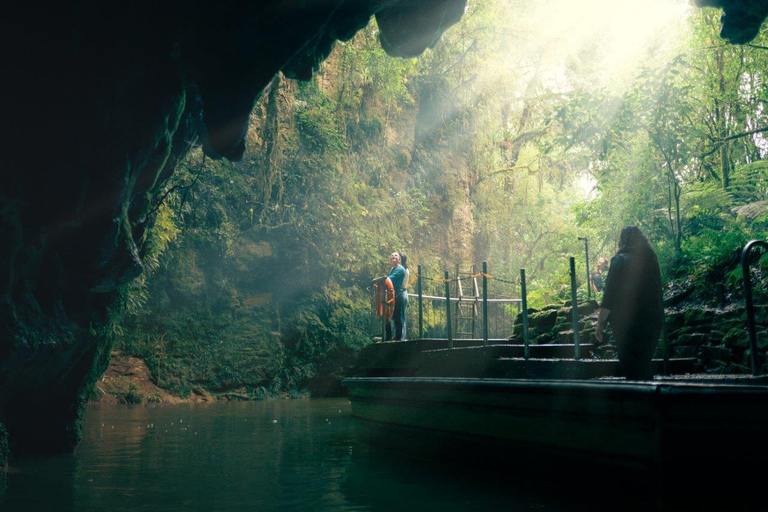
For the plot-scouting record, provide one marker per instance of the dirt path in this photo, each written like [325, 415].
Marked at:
[128, 380]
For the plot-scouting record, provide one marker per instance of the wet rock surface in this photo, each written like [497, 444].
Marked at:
[102, 101]
[716, 337]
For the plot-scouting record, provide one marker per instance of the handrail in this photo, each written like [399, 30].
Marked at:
[473, 301]
[750, 307]
[465, 299]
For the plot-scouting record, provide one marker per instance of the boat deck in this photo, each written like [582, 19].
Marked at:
[470, 358]
[551, 415]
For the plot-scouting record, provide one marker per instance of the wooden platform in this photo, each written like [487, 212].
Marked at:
[470, 358]
[660, 439]
[554, 415]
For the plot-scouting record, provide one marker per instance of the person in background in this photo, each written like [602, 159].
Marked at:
[597, 278]
[633, 304]
[406, 281]
[397, 276]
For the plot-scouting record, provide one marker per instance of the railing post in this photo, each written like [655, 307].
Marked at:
[750, 307]
[421, 310]
[485, 303]
[664, 350]
[524, 296]
[574, 310]
[586, 255]
[448, 309]
[384, 321]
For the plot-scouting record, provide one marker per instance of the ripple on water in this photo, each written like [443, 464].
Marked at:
[290, 455]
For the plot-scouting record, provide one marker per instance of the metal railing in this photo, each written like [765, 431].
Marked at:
[500, 313]
[750, 307]
[432, 315]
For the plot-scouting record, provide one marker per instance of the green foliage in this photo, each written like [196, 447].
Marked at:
[163, 231]
[315, 124]
[471, 153]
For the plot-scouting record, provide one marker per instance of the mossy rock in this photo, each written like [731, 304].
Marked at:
[736, 314]
[761, 315]
[715, 337]
[589, 307]
[673, 334]
[712, 353]
[693, 340]
[532, 333]
[519, 316]
[544, 320]
[727, 324]
[674, 321]
[719, 368]
[699, 317]
[517, 330]
[583, 308]
[744, 368]
[736, 337]
[685, 351]
[606, 351]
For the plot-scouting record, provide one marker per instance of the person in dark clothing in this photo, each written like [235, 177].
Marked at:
[397, 276]
[633, 304]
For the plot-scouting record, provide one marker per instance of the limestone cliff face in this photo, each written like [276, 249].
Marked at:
[101, 101]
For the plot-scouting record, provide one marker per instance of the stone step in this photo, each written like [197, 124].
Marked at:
[472, 359]
[516, 368]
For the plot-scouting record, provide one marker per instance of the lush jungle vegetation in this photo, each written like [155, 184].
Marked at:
[529, 125]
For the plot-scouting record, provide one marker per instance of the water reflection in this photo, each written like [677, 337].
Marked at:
[267, 456]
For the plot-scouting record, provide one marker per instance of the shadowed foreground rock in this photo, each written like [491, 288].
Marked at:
[101, 101]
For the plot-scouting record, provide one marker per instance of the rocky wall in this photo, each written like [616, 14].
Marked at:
[716, 337]
[101, 100]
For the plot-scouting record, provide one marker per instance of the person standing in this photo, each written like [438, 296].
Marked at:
[397, 276]
[406, 281]
[633, 304]
[597, 278]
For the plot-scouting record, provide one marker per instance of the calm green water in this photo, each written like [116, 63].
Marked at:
[300, 455]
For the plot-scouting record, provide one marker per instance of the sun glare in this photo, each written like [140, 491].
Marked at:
[618, 34]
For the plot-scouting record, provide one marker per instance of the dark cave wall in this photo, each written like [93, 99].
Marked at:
[741, 20]
[101, 102]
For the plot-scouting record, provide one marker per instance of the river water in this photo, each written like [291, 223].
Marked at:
[280, 455]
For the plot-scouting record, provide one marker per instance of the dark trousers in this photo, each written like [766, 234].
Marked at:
[397, 319]
[635, 349]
